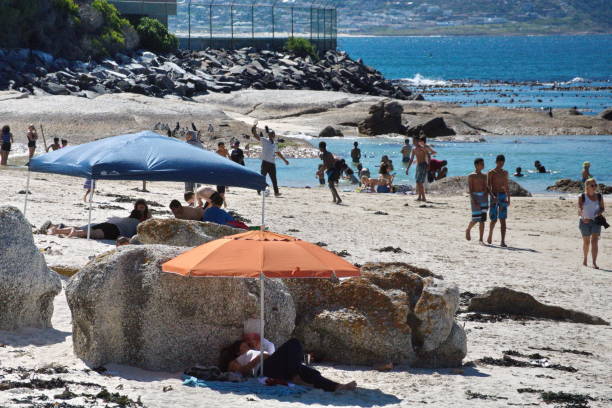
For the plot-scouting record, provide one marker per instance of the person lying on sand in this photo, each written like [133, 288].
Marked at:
[284, 365]
[111, 229]
[182, 212]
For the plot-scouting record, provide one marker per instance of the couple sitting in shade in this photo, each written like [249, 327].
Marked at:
[281, 366]
[208, 209]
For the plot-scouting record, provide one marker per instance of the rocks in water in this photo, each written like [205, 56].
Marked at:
[575, 187]
[383, 118]
[27, 286]
[458, 185]
[574, 112]
[330, 131]
[432, 128]
[186, 74]
[172, 231]
[507, 301]
[390, 314]
[125, 310]
[606, 114]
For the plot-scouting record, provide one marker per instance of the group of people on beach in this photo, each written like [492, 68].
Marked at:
[7, 141]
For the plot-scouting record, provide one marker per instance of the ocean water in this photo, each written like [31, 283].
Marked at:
[517, 71]
[561, 155]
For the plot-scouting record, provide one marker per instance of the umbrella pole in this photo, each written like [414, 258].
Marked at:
[93, 188]
[27, 191]
[261, 323]
[263, 210]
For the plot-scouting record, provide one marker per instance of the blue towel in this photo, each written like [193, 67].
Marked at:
[251, 386]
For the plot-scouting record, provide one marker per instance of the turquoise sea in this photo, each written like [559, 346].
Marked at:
[518, 71]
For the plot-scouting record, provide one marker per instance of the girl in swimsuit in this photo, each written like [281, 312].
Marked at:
[7, 140]
[32, 138]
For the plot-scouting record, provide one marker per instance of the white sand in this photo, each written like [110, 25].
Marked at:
[544, 260]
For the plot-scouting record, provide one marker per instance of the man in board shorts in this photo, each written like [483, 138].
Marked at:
[479, 199]
[497, 180]
[420, 152]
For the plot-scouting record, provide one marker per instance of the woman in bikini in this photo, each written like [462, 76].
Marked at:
[32, 136]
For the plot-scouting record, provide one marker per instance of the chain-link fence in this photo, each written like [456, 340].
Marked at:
[234, 24]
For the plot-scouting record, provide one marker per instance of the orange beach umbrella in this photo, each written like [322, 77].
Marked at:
[255, 253]
[259, 254]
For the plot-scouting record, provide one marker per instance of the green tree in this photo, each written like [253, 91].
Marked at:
[301, 47]
[154, 36]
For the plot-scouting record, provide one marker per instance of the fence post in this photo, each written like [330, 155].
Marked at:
[272, 21]
[232, 24]
[252, 21]
[311, 26]
[291, 21]
[210, 25]
[189, 25]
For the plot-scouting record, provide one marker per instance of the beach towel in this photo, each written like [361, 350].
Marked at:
[251, 386]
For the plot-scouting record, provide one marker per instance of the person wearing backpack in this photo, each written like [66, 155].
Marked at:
[590, 210]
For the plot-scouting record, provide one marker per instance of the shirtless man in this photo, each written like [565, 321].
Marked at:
[405, 151]
[186, 213]
[332, 171]
[422, 158]
[479, 189]
[497, 180]
[222, 151]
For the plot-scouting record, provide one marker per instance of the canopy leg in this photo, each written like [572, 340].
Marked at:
[27, 192]
[93, 189]
[261, 323]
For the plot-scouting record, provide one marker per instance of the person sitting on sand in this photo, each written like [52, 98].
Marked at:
[363, 172]
[385, 180]
[32, 136]
[286, 364]
[387, 162]
[369, 184]
[7, 140]
[479, 192]
[539, 167]
[55, 146]
[350, 175]
[64, 143]
[434, 169]
[182, 212]
[203, 195]
[111, 229]
[519, 172]
[189, 197]
[586, 171]
[122, 241]
[356, 153]
[215, 213]
[497, 182]
[442, 173]
[590, 207]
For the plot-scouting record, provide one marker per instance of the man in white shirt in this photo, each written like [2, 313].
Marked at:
[269, 151]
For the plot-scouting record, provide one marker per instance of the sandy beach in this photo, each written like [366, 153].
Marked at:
[543, 259]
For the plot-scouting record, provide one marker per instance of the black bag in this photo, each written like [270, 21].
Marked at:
[601, 220]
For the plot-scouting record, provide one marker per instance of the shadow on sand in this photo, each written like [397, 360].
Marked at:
[33, 337]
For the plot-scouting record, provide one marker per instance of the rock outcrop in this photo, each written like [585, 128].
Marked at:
[575, 187]
[171, 231]
[27, 286]
[458, 185]
[188, 74]
[383, 118]
[330, 131]
[432, 128]
[126, 310]
[390, 314]
[606, 114]
[502, 300]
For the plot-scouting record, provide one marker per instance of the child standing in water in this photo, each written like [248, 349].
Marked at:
[479, 198]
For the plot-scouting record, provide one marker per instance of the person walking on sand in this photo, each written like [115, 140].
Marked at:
[332, 171]
[420, 152]
[356, 153]
[222, 151]
[7, 141]
[497, 182]
[269, 151]
[32, 136]
[89, 186]
[477, 184]
[590, 209]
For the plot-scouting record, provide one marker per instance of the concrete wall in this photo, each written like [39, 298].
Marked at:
[260, 43]
[159, 9]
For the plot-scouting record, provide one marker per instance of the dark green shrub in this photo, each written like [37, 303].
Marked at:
[301, 47]
[110, 40]
[154, 36]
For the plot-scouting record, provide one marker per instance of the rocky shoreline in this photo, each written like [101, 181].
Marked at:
[187, 74]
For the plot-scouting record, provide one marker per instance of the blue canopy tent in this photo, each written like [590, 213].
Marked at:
[144, 156]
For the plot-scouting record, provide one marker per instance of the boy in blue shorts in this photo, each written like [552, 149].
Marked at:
[479, 192]
[497, 181]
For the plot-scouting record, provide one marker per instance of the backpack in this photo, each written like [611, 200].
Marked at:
[599, 197]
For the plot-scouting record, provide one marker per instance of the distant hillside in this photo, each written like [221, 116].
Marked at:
[396, 17]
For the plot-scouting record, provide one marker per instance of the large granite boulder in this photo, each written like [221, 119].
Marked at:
[383, 118]
[392, 313]
[126, 310]
[432, 128]
[458, 185]
[27, 286]
[500, 300]
[171, 231]
[606, 114]
[566, 185]
[330, 131]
